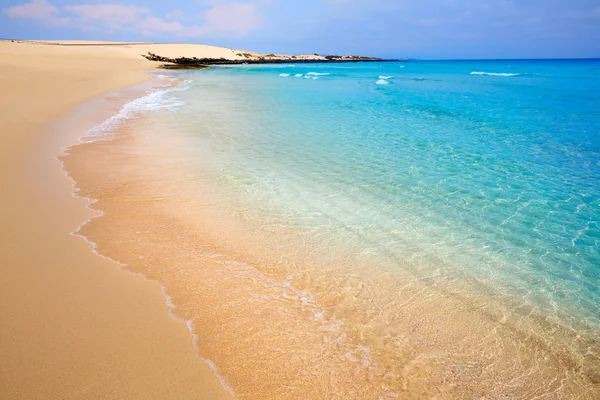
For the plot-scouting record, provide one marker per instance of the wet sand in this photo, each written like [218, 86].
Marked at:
[74, 325]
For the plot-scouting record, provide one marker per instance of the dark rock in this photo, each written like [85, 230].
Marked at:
[194, 61]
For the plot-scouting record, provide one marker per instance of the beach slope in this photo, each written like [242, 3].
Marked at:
[74, 325]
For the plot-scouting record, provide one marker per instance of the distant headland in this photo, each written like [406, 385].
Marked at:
[255, 58]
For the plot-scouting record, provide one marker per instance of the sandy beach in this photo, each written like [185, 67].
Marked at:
[213, 288]
[74, 325]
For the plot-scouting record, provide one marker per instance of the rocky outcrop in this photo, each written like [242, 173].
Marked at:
[194, 62]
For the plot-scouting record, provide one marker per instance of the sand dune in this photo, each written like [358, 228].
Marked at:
[114, 50]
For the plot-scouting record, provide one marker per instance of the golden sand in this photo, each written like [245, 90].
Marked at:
[279, 319]
[74, 325]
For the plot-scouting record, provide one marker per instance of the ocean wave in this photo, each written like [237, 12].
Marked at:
[161, 76]
[298, 76]
[307, 76]
[284, 74]
[385, 77]
[382, 82]
[317, 73]
[493, 73]
[154, 100]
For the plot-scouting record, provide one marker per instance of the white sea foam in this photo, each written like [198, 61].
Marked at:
[210, 363]
[154, 100]
[318, 74]
[160, 76]
[385, 77]
[382, 82]
[307, 76]
[493, 73]
[298, 76]
[284, 74]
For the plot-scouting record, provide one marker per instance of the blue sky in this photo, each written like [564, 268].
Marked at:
[430, 29]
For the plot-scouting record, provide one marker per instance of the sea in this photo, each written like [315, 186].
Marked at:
[411, 229]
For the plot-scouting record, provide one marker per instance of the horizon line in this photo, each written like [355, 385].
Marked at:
[399, 59]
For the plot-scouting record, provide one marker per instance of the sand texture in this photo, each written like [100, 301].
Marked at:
[74, 325]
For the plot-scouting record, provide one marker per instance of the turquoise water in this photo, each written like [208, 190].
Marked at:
[485, 171]
[394, 230]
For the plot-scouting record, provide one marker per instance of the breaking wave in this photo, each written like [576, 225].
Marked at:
[493, 73]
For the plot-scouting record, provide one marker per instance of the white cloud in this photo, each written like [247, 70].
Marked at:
[153, 26]
[223, 18]
[233, 18]
[40, 10]
[175, 15]
[108, 13]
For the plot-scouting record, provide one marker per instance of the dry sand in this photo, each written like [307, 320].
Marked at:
[74, 325]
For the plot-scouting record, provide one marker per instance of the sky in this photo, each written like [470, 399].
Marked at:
[425, 29]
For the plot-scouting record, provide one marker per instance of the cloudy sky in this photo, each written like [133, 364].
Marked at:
[433, 29]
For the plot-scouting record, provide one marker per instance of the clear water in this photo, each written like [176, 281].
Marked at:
[370, 230]
[481, 171]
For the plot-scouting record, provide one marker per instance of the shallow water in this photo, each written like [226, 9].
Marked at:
[371, 231]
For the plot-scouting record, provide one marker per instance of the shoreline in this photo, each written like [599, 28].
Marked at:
[275, 329]
[74, 326]
[139, 184]
[125, 97]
